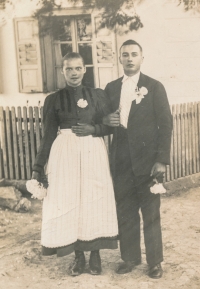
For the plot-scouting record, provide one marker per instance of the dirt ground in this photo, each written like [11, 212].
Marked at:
[22, 266]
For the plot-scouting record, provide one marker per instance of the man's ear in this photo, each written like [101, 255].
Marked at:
[84, 69]
[120, 59]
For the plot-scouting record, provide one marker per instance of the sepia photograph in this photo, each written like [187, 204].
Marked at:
[100, 144]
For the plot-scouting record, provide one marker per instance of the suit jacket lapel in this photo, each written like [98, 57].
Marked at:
[117, 94]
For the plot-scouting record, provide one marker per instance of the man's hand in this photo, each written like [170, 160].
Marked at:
[83, 129]
[158, 170]
[112, 119]
[36, 176]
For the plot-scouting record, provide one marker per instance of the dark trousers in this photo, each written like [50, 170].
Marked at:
[132, 194]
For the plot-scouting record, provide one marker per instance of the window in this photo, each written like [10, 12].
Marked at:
[39, 57]
[73, 34]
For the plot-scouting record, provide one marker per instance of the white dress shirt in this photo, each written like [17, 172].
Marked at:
[128, 94]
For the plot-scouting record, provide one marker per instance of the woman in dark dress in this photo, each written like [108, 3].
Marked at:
[79, 212]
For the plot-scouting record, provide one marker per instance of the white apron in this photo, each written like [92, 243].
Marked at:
[80, 202]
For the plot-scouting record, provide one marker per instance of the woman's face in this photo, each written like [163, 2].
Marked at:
[73, 70]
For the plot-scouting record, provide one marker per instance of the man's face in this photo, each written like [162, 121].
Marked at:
[131, 59]
[73, 70]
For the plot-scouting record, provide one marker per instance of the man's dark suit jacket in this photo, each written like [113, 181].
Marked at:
[149, 125]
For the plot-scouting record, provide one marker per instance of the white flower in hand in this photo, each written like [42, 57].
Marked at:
[140, 94]
[82, 103]
[157, 188]
[37, 189]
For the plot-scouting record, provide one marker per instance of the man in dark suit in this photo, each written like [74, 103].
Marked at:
[140, 151]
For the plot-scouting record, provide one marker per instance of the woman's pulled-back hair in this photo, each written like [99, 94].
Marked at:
[72, 55]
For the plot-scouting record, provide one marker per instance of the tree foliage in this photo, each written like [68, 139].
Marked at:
[190, 4]
[114, 13]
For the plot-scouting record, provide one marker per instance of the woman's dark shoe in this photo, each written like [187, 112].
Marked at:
[95, 263]
[126, 267]
[79, 264]
[156, 272]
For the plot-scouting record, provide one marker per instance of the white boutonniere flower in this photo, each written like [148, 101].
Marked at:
[37, 189]
[82, 103]
[140, 93]
[157, 188]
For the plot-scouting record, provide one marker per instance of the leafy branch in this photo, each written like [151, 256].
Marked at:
[190, 4]
[114, 14]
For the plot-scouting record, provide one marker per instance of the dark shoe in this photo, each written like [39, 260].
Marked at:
[95, 263]
[156, 271]
[126, 267]
[79, 264]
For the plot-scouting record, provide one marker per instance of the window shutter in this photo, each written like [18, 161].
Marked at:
[28, 55]
[49, 77]
[104, 54]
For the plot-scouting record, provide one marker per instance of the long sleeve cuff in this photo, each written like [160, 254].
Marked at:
[37, 168]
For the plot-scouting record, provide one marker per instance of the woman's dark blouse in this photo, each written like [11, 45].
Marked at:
[61, 111]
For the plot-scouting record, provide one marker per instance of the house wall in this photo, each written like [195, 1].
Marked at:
[171, 43]
[8, 61]
[170, 39]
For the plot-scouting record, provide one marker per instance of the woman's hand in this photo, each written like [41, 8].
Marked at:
[83, 129]
[36, 176]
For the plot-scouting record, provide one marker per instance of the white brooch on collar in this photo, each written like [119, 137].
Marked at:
[82, 103]
[140, 93]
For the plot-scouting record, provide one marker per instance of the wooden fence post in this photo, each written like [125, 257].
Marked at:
[182, 114]
[4, 142]
[15, 144]
[197, 139]
[179, 143]
[20, 139]
[27, 146]
[185, 108]
[9, 143]
[32, 135]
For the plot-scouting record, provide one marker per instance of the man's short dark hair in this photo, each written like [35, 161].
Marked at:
[131, 42]
[72, 55]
